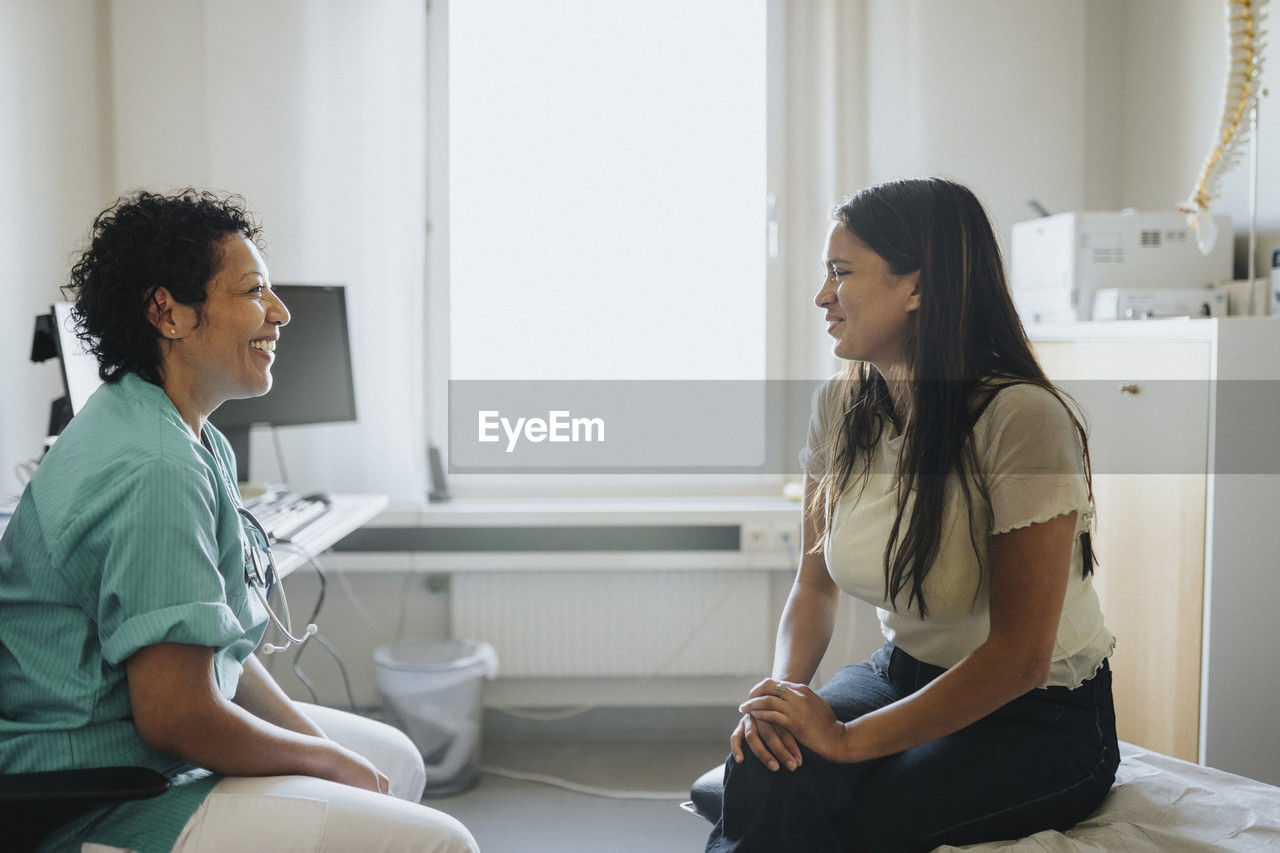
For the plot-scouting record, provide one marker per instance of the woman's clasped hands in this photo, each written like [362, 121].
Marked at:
[778, 716]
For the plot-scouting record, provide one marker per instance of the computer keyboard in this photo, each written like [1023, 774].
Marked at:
[284, 514]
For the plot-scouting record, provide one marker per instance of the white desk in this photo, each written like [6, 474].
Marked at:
[435, 538]
[346, 513]
[533, 512]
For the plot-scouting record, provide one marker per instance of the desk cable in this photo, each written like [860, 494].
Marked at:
[24, 471]
[314, 562]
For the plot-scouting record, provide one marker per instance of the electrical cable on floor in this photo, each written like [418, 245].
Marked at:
[551, 716]
[568, 713]
[591, 790]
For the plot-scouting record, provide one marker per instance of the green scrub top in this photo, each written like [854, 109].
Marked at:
[126, 536]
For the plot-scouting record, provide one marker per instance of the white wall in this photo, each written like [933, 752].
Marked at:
[1174, 55]
[984, 92]
[1175, 65]
[819, 85]
[52, 183]
[314, 112]
[1090, 105]
[1104, 59]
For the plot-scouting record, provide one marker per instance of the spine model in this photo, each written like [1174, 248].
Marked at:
[1244, 70]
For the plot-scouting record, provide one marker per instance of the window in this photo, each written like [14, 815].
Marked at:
[607, 189]
[607, 208]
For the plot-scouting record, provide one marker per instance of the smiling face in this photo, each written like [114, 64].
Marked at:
[224, 352]
[868, 306]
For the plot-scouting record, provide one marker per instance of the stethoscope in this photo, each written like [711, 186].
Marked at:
[260, 575]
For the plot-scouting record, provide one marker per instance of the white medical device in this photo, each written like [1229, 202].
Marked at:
[1126, 303]
[1057, 263]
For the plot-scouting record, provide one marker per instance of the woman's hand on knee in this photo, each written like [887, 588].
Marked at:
[773, 746]
[351, 768]
[800, 712]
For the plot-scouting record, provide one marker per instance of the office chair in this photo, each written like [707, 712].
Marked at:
[33, 804]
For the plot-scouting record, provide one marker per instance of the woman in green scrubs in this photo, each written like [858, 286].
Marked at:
[127, 629]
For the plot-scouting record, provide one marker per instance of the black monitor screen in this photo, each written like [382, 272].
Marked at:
[312, 372]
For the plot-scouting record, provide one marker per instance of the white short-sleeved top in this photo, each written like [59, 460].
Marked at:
[1030, 456]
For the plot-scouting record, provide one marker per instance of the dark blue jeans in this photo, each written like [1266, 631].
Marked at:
[1044, 761]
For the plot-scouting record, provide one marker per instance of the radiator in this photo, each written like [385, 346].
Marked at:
[592, 624]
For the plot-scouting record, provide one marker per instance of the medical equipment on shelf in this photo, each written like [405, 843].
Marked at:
[1126, 303]
[261, 577]
[1057, 263]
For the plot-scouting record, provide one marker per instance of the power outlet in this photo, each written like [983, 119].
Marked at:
[770, 536]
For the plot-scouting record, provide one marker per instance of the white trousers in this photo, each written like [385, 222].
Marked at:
[283, 814]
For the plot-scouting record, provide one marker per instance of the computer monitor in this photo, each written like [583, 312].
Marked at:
[312, 377]
[79, 367]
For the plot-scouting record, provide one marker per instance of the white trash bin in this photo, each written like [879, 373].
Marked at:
[435, 689]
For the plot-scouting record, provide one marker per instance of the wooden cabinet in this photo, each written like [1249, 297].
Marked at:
[1187, 541]
[1137, 396]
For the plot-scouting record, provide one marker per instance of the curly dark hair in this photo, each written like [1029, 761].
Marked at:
[140, 243]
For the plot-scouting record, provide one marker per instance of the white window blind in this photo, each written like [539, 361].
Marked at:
[607, 186]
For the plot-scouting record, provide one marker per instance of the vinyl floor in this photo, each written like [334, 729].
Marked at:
[510, 816]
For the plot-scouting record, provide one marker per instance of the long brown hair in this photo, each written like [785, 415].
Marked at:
[965, 344]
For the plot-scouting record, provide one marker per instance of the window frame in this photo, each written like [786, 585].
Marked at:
[781, 295]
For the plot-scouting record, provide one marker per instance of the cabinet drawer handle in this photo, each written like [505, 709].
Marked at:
[1129, 389]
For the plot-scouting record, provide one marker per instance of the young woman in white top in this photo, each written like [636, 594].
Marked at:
[948, 484]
